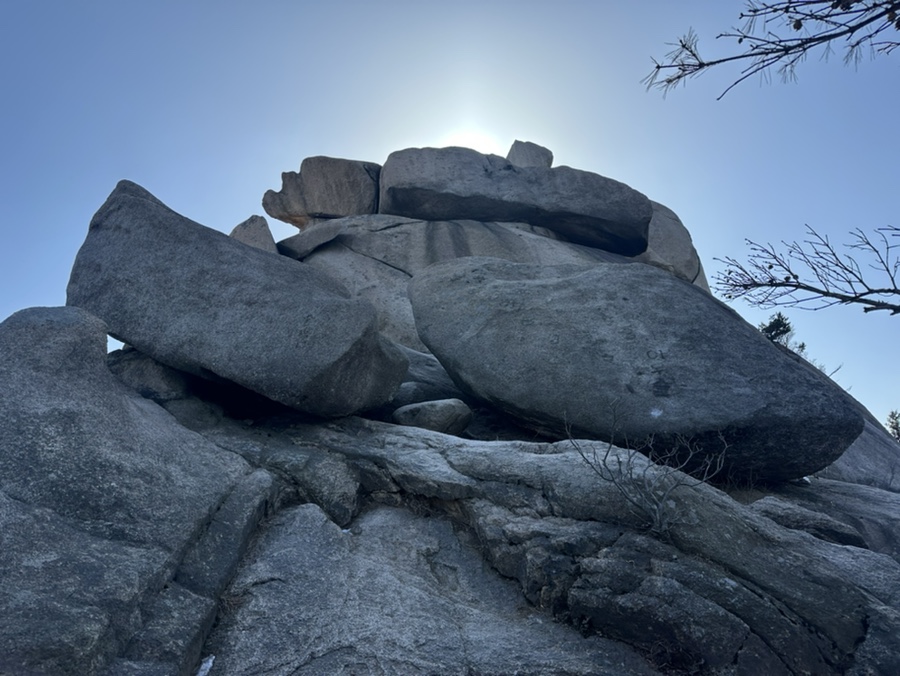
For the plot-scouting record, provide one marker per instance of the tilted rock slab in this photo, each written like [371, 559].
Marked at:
[439, 184]
[326, 187]
[201, 302]
[102, 497]
[629, 352]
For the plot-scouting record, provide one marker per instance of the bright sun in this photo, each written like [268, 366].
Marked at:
[475, 139]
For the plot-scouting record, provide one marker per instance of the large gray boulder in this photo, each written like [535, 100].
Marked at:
[102, 497]
[198, 301]
[630, 353]
[375, 256]
[458, 183]
[326, 187]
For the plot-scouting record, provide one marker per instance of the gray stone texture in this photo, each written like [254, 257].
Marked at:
[670, 247]
[458, 183]
[198, 301]
[450, 416]
[326, 187]
[527, 154]
[726, 591]
[631, 353]
[396, 593]
[255, 232]
[375, 257]
[101, 494]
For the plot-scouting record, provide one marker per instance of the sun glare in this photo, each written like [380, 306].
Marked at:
[475, 139]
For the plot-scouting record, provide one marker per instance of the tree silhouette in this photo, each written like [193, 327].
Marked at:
[814, 274]
[779, 35]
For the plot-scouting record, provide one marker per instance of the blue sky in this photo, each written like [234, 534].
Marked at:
[206, 103]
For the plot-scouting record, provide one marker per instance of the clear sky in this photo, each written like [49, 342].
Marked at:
[205, 103]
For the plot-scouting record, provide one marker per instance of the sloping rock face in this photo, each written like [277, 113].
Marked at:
[326, 187]
[102, 494]
[201, 302]
[457, 183]
[601, 354]
[726, 591]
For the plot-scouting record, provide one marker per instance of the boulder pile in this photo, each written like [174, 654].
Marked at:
[479, 415]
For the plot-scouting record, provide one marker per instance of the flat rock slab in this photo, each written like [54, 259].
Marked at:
[629, 352]
[101, 493]
[457, 183]
[199, 301]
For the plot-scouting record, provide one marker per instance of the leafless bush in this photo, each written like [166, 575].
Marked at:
[647, 475]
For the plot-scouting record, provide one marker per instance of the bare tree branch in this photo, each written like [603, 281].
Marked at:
[779, 35]
[814, 275]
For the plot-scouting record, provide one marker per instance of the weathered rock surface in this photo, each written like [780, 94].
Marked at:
[396, 593]
[527, 154]
[725, 591]
[255, 232]
[196, 300]
[375, 257]
[670, 247]
[596, 351]
[458, 183]
[102, 494]
[326, 187]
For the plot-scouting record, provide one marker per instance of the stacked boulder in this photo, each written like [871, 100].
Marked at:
[541, 309]
[470, 394]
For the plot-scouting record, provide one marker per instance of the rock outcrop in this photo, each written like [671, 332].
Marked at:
[262, 481]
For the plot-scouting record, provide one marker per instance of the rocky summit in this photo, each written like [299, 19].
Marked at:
[480, 415]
